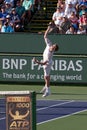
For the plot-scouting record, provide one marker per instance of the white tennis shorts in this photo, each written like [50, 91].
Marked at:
[47, 69]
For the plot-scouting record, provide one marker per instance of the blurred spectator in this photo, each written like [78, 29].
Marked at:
[82, 8]
[83, 20]
[8, 7]
[20, 9]
[69, 9]
[61, 4]
[6, 28]
[57, 16]
[68, 12]
[1, 2]
[37, 4]
[71, 30]
[21, 12]
[9, 21]
[10, 1]
[16, 21]
[8, 18]
[74, 2]
[83, 2]
[28, 5]
[65, 25]
[74, 20]
[81, 30]
[3, 15]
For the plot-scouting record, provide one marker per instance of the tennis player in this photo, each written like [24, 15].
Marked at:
[47, 63]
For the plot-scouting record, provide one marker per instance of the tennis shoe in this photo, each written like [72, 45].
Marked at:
[46, 93]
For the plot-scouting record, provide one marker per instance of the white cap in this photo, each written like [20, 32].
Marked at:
[8, 16]
[8, 3]
[69, 2]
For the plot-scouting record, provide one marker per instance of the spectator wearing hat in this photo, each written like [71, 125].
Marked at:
[65, 25]
[83, 20]
[6, 28]
[81, 30]
[8, 7]
[69, 9]
[82, 8]
[8, 18]
[16, 21]
[10, 1]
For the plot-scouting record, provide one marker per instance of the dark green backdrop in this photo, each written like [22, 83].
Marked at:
[34, 43]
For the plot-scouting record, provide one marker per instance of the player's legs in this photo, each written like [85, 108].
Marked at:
[47, 83]
[43, 89]
[47, 80]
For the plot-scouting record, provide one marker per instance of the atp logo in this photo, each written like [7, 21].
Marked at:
[18, 120]
[18, 117]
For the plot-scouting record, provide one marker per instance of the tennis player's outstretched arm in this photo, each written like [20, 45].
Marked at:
[47, 40]
[46, 32]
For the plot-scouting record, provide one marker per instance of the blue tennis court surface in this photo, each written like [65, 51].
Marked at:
[51, 110]
[48, 110]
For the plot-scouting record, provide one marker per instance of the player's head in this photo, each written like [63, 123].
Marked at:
[55, 47]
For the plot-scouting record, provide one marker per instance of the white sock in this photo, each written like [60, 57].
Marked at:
[47, 89]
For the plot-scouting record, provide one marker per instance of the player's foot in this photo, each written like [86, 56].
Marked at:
[43, 89]
[46, 93]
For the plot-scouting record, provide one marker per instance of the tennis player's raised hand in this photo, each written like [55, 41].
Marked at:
[34, 60]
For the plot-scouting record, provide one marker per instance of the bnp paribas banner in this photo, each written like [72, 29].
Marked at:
[65, 69]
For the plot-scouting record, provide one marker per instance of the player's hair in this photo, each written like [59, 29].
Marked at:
[56, 47]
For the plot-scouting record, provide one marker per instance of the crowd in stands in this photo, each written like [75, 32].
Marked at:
[16, 14]
[70, 17]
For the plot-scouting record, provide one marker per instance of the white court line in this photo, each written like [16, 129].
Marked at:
[58, 104]
[62, 117]
[2, 118]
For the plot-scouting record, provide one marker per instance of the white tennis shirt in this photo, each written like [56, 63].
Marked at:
[47, 54]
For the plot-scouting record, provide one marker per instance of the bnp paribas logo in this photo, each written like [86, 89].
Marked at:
[18, 113]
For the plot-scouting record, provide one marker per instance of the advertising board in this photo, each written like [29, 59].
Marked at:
[21, 68]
